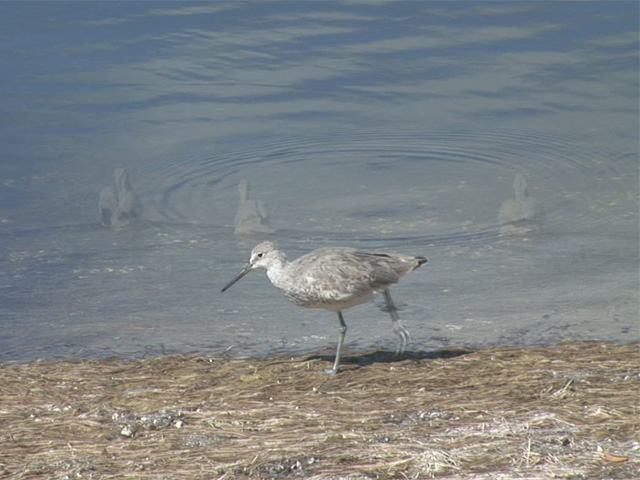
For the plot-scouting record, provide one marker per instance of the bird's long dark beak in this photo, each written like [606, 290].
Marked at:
[244, 271]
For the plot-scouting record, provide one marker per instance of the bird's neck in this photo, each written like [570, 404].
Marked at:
[277, 272]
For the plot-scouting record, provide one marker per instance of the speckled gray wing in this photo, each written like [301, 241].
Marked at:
[330, 275]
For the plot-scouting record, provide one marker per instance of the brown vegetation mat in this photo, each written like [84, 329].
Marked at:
[569, 411]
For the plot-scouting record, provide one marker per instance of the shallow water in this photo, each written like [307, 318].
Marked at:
[391, 127]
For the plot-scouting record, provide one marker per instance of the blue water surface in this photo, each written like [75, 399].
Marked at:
[499, 139]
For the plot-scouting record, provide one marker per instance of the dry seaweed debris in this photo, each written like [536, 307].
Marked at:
[570, 411]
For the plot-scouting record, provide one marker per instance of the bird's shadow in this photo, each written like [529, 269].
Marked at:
[383, 356]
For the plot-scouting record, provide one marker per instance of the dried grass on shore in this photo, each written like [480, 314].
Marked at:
[570, 411]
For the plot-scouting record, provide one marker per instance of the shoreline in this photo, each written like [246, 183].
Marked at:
[565, 411]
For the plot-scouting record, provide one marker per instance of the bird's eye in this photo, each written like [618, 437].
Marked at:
[260, 255]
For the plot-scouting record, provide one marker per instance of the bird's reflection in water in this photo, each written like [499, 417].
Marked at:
[119, 206]
[252, 215]
[521, 215]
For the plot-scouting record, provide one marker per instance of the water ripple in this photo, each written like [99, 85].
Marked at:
[439, 187]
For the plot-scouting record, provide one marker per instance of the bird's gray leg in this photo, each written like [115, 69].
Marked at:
[400, 330]
[343, 332]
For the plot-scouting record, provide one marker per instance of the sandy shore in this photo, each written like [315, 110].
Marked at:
[570, 411]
